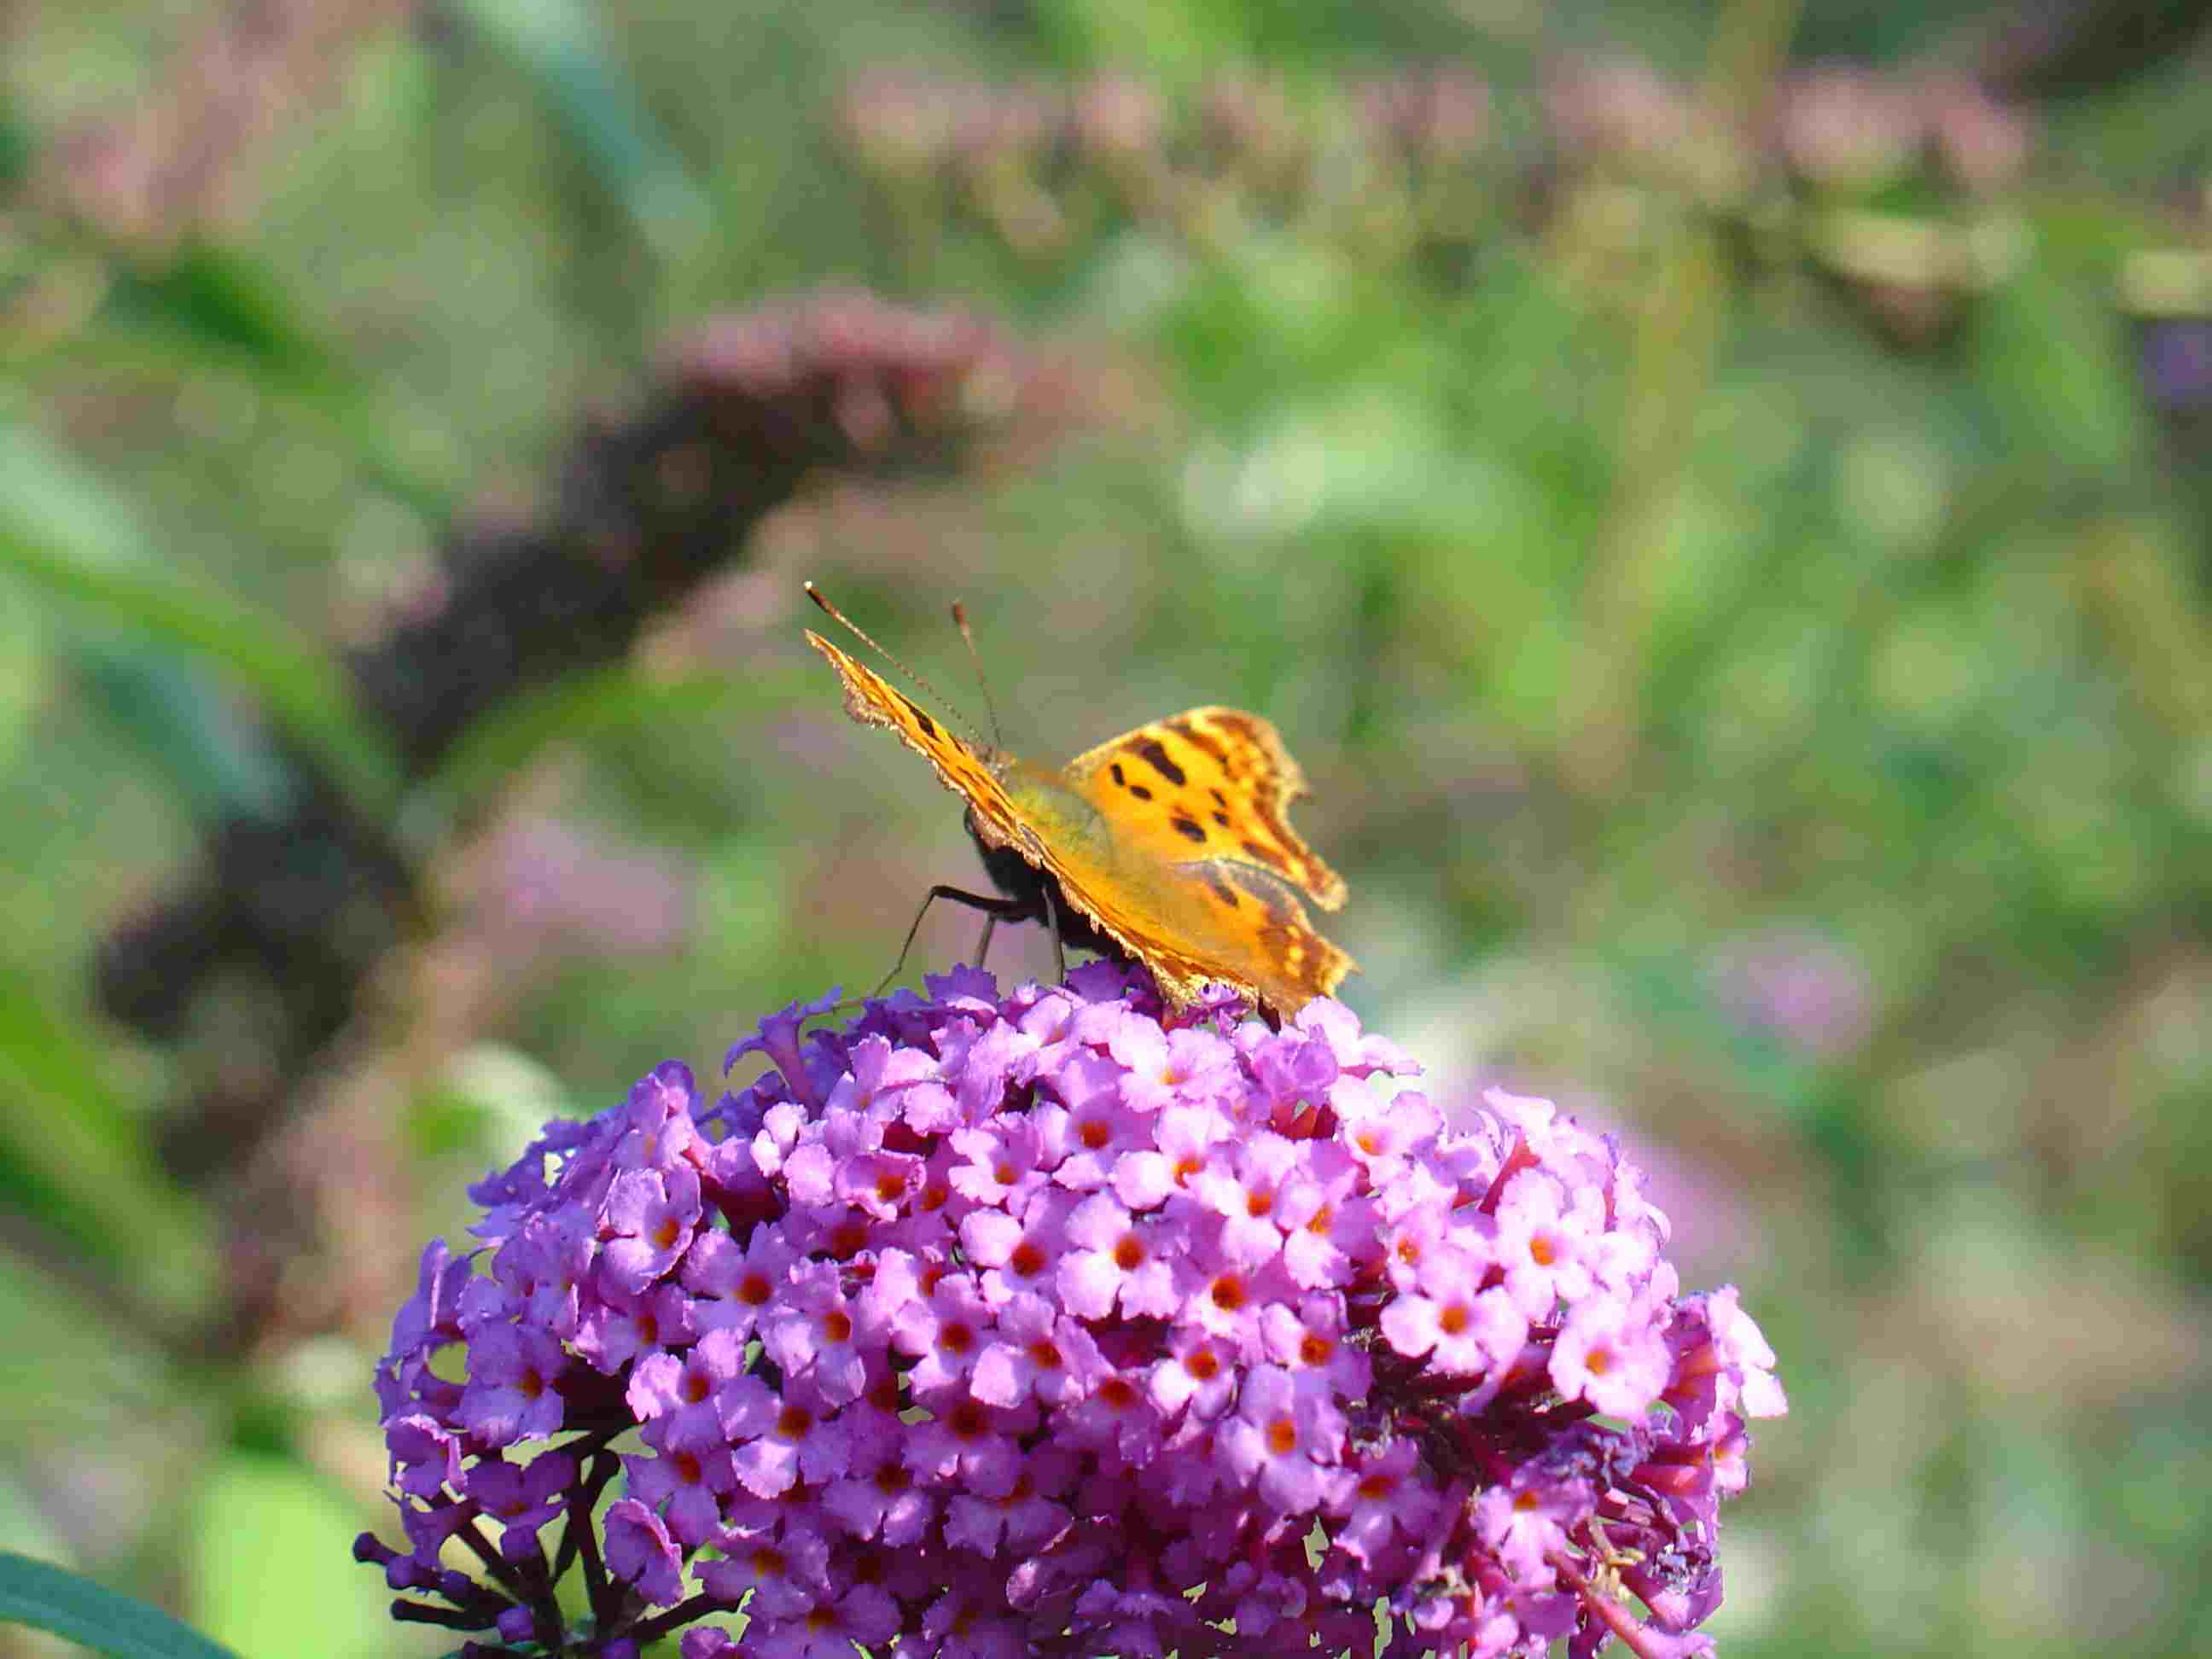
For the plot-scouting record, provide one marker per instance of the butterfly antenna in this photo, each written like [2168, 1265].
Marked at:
[982, 684]
[862, 634]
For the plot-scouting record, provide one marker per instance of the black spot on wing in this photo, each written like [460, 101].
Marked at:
[1265, 888]
[1114, 771]
[1204, 744]
[1266, 855]
[1224, 892]
[1222, 818]
[928, 726]
[1187, 828]
[1154, 756]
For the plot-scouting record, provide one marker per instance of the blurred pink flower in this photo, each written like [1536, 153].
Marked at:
[543, 884]
[1848, 128]
[1717, 1224]
[1115, 115]
[1807, 990]
[1250, 118]
[898, 121]
[1618, 108]
[1432, 115]
[1983, 143]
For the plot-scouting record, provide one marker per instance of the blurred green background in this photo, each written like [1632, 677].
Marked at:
[1714, 495]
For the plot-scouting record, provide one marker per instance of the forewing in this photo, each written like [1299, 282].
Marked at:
[1208, 784]
[872, 700]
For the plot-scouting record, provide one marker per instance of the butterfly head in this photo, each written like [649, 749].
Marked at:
[865, 691]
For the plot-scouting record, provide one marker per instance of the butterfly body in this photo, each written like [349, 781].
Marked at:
[1039, 896]
[1169, 845]
[1047, 805]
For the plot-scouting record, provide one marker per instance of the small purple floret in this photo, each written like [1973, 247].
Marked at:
[994, 1325]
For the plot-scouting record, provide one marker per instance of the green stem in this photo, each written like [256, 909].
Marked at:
[1669, 362]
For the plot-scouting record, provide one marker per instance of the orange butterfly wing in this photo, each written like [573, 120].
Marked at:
[1230, 914]
[1205, 920]
[872, 700]
[1208, 783]
[1205, 794]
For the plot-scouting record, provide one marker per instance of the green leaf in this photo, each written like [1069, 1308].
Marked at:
[216, 298]
[558, 43]
[2056, 362]
[271, 1566]
[591, 706]
[182, 727]
[210, 313]
[18, 146]
[410, 455]
[61, 527]
[74, 1152]
[51, 1598]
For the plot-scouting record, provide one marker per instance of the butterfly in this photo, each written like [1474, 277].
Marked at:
[1169, 845]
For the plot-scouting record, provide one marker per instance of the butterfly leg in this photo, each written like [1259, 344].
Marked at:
[997, 910]
[1059, 948]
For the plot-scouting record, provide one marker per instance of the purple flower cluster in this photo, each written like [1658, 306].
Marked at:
[992, 1325]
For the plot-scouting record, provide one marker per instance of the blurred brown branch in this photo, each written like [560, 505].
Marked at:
[2055, 49]
[289, 915]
